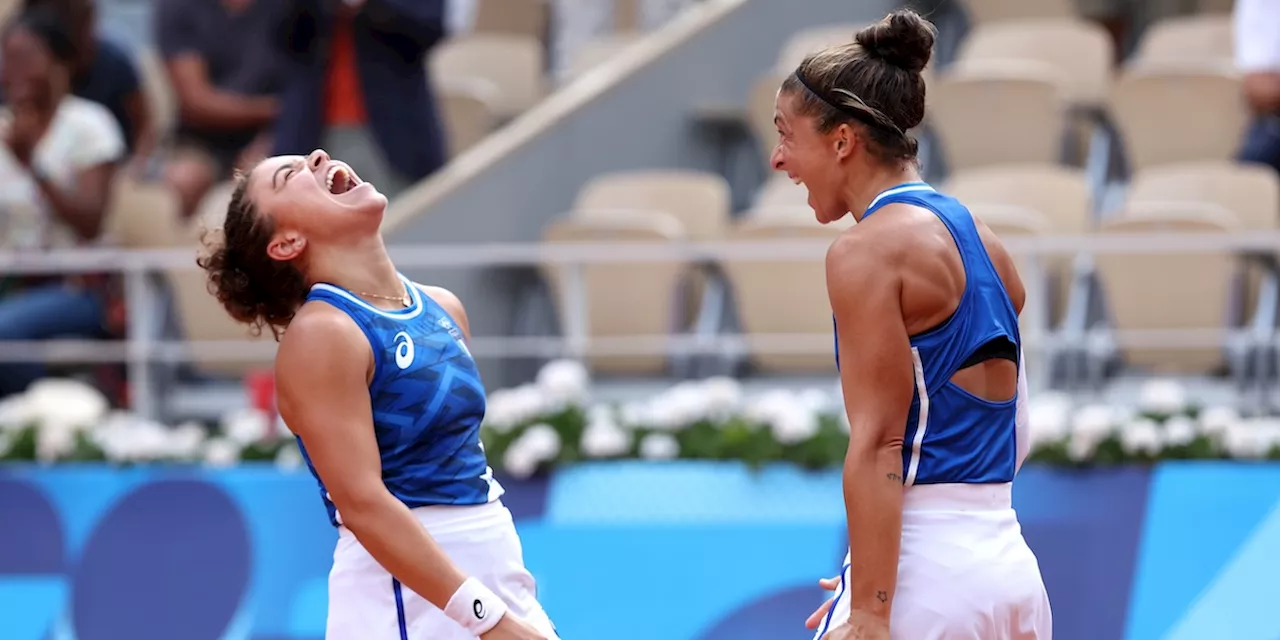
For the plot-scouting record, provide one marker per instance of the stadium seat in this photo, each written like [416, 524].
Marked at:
[989, 11]
[1080, 52]
[812, 40]
[527, 18]
[467, 113]
[1252, 192]
[514, 64]
[158, 91]
[700, 202]
[1170, 115]
[1146, 291]
[1194, 41]
[598, 50]
[760, 110]
[621, 299]
[774, 297]
[998, 112]
[778, 195]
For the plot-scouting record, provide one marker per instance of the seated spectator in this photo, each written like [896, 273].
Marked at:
[1257, 31]
[57, 164]
[221, 60]
[358, 87]
[105, 73]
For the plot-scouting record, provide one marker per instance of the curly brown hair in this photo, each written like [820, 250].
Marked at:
[874, 80]
[253, 287]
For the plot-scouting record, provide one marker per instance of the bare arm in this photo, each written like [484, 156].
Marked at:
[452, 305]
[203, 105]
[876, 376]
[322, 368]
[84, 206]
[144, 134]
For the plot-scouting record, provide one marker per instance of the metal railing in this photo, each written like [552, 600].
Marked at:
[141, 347]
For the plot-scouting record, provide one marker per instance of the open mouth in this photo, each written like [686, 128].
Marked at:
[340, 180]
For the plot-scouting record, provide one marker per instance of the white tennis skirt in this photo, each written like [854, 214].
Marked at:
[367, 603]
[964, 573]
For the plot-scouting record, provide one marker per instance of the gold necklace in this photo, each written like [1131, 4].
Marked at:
[403, 299]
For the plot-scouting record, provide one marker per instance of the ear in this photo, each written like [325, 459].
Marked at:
[286, 246]
[843, 138]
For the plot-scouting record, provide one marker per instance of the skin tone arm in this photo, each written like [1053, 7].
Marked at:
[325, 400]
[203, 105]
[144, 143]
[877, 379]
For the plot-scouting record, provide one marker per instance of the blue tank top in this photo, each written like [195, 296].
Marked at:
[427, 400]
[951, 435]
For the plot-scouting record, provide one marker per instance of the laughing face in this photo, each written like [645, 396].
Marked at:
[812, 158]
[314, 199]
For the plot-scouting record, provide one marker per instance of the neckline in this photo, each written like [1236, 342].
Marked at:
[905, 187]
[415, 294]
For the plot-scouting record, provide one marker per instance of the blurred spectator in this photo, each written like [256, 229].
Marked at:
[104, 73]
[226, 76]
[1125, 18]
[1257, 31]
[359, 69]
[57, 163]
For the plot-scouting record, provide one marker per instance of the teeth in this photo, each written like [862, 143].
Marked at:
[333, 173]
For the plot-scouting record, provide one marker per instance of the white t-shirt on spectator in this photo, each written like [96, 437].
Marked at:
[1257, 34]
[83, 134]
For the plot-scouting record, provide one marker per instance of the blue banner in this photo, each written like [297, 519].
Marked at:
[682, 551]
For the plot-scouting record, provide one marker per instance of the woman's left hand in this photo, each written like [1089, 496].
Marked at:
[860, 626]
[25, 129]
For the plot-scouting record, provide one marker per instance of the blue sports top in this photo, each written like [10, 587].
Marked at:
[951, 435]
[427, 400]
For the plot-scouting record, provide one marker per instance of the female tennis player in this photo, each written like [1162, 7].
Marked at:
[926, 304]
[374, 377]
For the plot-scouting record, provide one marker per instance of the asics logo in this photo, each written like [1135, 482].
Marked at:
[404, 350]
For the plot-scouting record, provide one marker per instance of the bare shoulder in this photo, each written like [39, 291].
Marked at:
[450, 303]
[318, 329]
[879, 241]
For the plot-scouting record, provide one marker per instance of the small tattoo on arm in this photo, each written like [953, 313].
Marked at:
[882, 596]
[894, 477]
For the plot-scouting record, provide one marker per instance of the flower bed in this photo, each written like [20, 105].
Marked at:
[553, 421]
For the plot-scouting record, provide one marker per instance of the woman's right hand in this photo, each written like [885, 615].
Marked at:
[512, 628]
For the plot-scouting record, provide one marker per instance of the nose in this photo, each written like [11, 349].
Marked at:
[317, 159]
[775, 159]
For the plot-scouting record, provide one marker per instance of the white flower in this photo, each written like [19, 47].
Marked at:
[186, 440]
[520, 460]
[635, 414]
[723, 396]
[678, 407]
[124, 437]
[16, 412]
[1252, 438]
[790, 416]
[246, 426]
[510, 408]
[289, 458]
[542, 440]
[1162, 396]
[1048, 418]
[55, 440]
[1090, 426]
[1179, 431]
[1140, 436]
[221, 452]
[564, 383]
[603, 438]
[64, 403]
[6, 442]
[1216, 421]
[659, 446]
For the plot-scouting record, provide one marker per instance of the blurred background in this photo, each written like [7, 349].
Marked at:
[647, 301]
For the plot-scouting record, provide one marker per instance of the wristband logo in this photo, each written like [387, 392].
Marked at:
[477, 608]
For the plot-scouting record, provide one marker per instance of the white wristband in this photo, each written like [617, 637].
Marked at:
[475, 607]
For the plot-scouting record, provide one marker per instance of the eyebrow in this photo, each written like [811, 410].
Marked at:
[275, 176]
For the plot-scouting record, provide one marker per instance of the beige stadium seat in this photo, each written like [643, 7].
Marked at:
[988, 11]
[1171, 115]
[812, 40]
[1080, 52]
[158, 91]
[624, 299]
[780, 193]
[783, 297]
[598, 50]
[1016, 222]
[1194, 41]
[527, 18]
[1250, 191]
[467, 113]
[998, 113]
[144, 215]
[513, 64]
[699, 201]
[1169, 291]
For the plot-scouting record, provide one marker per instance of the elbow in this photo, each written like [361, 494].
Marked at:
[361, 506]
[868, 451]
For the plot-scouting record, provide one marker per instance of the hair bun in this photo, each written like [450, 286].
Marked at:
[903, 39]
